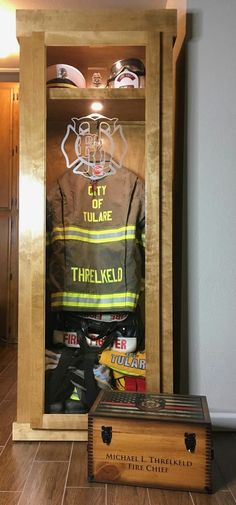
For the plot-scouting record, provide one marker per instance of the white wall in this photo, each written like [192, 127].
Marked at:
[211, 205]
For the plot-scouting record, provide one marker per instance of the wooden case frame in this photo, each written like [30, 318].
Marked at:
[156, 30]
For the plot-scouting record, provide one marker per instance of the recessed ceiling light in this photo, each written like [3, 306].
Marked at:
[96, 106]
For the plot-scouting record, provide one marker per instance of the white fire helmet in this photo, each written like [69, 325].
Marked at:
[64, 76]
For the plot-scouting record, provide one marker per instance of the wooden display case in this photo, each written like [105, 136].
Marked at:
[84, 38]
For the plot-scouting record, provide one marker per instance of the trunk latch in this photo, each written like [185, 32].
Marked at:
[106, 434]
[190, 441]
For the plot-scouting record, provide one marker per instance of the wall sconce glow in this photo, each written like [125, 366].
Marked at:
[96, 106]
[8, 41]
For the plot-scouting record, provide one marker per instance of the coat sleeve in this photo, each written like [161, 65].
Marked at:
[54, 221]
[140, 225]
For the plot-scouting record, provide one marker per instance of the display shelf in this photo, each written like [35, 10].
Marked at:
[94, 93]
[65, 103]
[92, 59]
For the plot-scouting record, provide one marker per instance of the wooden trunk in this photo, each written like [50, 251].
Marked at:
[150, 440]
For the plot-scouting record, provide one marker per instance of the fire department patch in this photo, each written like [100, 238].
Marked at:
[152, 404]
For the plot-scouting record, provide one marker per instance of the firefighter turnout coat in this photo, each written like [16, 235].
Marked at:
[95, 232]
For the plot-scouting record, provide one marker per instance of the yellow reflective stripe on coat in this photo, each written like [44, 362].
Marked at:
[143, 239]
[85, 300]
[92, 236]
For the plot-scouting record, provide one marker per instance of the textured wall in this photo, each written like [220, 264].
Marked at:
[211, 205]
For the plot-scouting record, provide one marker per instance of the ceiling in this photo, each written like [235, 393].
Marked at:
[9, 50]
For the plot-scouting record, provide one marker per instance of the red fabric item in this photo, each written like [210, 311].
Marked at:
[141, 384]
[130, 384]
[134, 383]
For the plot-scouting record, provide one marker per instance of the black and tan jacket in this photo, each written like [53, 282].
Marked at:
[95, 234]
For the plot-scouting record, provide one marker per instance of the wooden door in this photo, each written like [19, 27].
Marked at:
[8, 211]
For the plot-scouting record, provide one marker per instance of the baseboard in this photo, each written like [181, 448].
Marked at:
[23, 432]
[223, 420]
